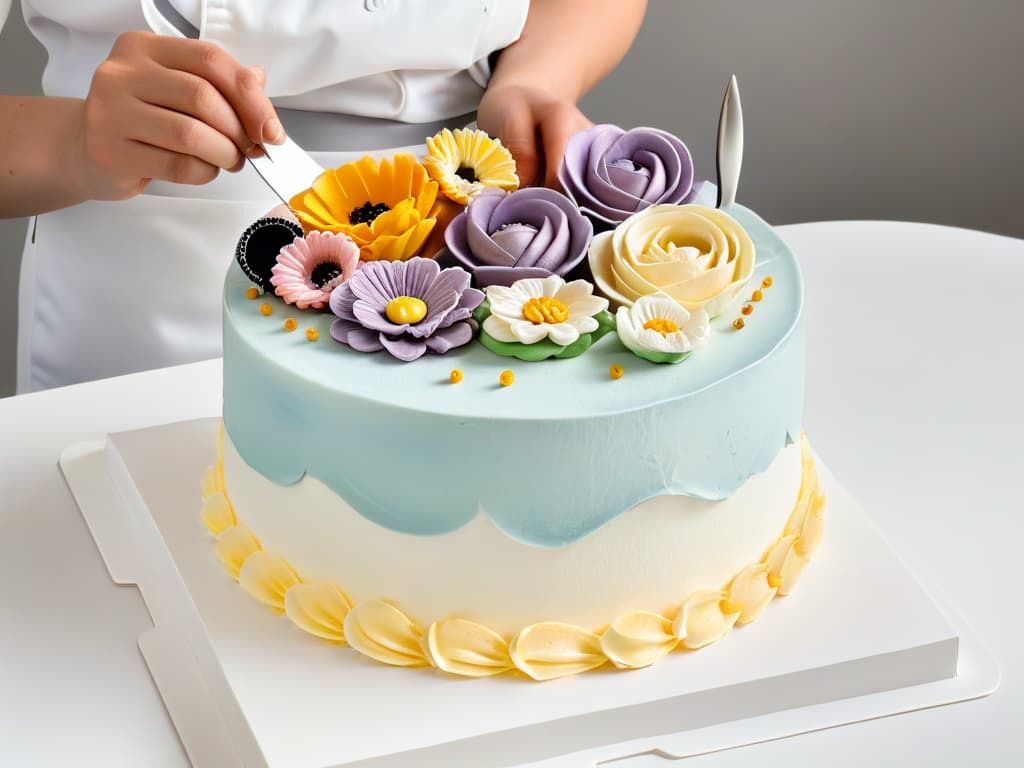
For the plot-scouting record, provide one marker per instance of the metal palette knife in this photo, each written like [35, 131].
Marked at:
[286, 168]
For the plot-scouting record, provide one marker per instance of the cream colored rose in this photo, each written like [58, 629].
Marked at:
[700, 257]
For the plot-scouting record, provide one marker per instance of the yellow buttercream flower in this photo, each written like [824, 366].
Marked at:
[466, 162]
[385, 207]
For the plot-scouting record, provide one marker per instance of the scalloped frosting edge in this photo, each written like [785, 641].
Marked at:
[382, 631]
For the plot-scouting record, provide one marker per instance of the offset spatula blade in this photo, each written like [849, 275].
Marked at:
[286, 168]
[730, 145]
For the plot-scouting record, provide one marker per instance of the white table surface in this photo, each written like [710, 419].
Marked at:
[915, 380]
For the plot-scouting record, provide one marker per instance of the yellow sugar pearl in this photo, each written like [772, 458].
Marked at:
[455, 375]
[506, 378]
[616, 371]
[252, 293]
[767, 282]
[312, 334]
[756, 295]
[266, 310]
[291, 324]
[747, 309]
[738, 323]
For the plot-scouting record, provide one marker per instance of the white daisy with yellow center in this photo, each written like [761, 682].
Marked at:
[658, 329]
[536, 308]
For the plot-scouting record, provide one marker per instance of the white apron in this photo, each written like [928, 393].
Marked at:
[113, 288]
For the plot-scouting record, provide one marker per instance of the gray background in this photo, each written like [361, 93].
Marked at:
[874, 109]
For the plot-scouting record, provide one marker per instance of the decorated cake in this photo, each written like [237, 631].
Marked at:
[496, 430]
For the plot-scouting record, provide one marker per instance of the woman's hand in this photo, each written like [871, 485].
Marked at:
[566, 46]
[171, 109]
[534, 124]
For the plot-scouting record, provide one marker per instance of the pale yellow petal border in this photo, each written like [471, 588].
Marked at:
[380, 630]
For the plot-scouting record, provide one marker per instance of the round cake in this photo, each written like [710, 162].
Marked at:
[481, 511]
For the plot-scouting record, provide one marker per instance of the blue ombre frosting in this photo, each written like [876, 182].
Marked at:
[551, 458]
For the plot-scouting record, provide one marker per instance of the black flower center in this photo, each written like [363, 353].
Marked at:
[323, 273]
[467, 173]
[367, 212]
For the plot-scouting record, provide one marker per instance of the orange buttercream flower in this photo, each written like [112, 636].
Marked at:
[385, 207]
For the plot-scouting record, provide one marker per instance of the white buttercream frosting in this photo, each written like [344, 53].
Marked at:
[381, 630]
[648, 558]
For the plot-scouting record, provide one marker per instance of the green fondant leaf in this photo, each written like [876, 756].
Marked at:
[662, 357]
[578, 347]
[482, 312]
[545, 348]
[605, 323]
[529, 353]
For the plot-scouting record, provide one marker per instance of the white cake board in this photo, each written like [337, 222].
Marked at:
[859, 639]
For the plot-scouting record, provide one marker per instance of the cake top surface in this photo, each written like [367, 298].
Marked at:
[553, 389]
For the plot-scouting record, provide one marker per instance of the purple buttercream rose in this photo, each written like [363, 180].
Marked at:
[532, 232]
[611, 174]
[406, 307]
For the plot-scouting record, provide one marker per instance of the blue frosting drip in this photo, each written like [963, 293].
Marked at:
[550, 459]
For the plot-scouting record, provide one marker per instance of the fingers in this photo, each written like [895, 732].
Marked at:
[240, 86]
[156, 163]
[186, 135]
[535, 127]
[189, 94]
[555, 128]
[170, 109]
[518, 132]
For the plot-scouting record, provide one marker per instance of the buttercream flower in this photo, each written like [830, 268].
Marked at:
[385, 207]
[657, 329]
[533, 232]
[700, 257]
[611, 174]
[533, 309]
[311, 267]
[406, 307]
[466, 162]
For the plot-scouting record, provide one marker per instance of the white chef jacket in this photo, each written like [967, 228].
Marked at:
[110, 288]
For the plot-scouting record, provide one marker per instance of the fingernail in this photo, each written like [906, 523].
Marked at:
[273, 131]
[260, 73]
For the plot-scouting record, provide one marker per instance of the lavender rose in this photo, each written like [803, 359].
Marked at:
[611, 174]
[533, 232]
[406, 307]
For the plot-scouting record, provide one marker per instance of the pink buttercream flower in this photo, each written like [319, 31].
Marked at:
[312, 266]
